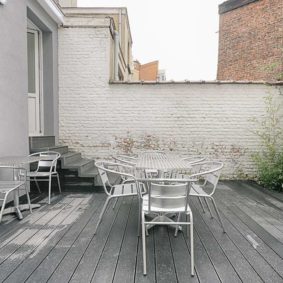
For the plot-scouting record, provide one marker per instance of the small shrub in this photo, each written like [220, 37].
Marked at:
[269, 162]
[270, 172]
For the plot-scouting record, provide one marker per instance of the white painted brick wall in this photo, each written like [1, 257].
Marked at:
[101, 119]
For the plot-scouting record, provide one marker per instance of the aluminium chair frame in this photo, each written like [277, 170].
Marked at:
[46, 162]
[210, 176]
[195, 159]
[130, 181]
[127, 160]
[146, 208]
[6, 187]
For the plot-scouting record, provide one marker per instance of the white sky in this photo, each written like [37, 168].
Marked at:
[181, 34]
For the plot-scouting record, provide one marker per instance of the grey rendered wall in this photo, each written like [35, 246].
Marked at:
[50, 66]
[13, 79]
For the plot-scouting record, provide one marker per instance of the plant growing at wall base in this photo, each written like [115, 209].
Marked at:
[269, 161]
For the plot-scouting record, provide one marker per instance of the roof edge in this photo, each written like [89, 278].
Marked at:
[230, 5]
[275, 83]
[53, 10]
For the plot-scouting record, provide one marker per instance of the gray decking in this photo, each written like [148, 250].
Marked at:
[56, 243]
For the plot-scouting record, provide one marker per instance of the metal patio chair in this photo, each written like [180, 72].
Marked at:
[46, 169]
[114, 191]
[12, 179]
[166, 196]
[184, 173]
[194, 159]
[208, 174]
[127, 160]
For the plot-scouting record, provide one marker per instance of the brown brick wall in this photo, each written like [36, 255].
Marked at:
[251, 42]
[149, 71]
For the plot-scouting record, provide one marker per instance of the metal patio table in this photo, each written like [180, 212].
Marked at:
[161, 162]
[18, 161]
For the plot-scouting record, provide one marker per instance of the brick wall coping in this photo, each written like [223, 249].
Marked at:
[232, 5]
[195, 82]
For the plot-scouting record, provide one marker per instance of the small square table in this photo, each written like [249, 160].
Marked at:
[18, 161]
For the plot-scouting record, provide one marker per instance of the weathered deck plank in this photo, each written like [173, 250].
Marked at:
[65, 269]
[125, 270]
[267, 206]
[18, 227]
[182, 258]
[106, 266]
[231, 250]
[204, 267]
[255, 209]
[87, 265]
[10, 222]
[56, 243]
[221, 263]
[164, 263]
[25, 270]
[47, 266]
[150, 277]
[262, 233]
[266, 252]
[28, 241]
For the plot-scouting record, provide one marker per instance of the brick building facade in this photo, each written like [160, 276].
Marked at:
[146, 72]
[251, 40]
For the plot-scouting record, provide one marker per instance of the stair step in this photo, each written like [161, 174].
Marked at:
[76, 164]
[71, 164]
[89, 173]
[87, 166]
[58, 148]
[70, 157]
[41, 142]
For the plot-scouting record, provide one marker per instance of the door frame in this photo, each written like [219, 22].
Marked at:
[31, 27]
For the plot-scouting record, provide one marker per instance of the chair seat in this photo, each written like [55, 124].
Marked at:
[197, 190]
[124, 189]
[165, 210]
[39, 174]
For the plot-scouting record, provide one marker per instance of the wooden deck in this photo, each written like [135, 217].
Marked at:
[56, 243]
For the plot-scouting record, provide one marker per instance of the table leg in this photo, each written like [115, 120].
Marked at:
[16, 204]
[163, 218]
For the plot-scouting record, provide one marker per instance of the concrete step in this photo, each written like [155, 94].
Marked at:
[58, 148]
[89, 173]
[69, 158]
[76, 164]
[87, 166]
[41, 142]
[71, 164]
[72, 182]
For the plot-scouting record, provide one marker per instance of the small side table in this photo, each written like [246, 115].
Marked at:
[18, 161]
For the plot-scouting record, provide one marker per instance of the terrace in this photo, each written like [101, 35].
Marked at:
[57, 243]
[83, 101]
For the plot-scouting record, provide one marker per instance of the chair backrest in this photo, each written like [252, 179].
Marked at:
[48, 160]
[194, 163]
[210, 172]
[106, 167]
[194, 159]
[168, 195]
